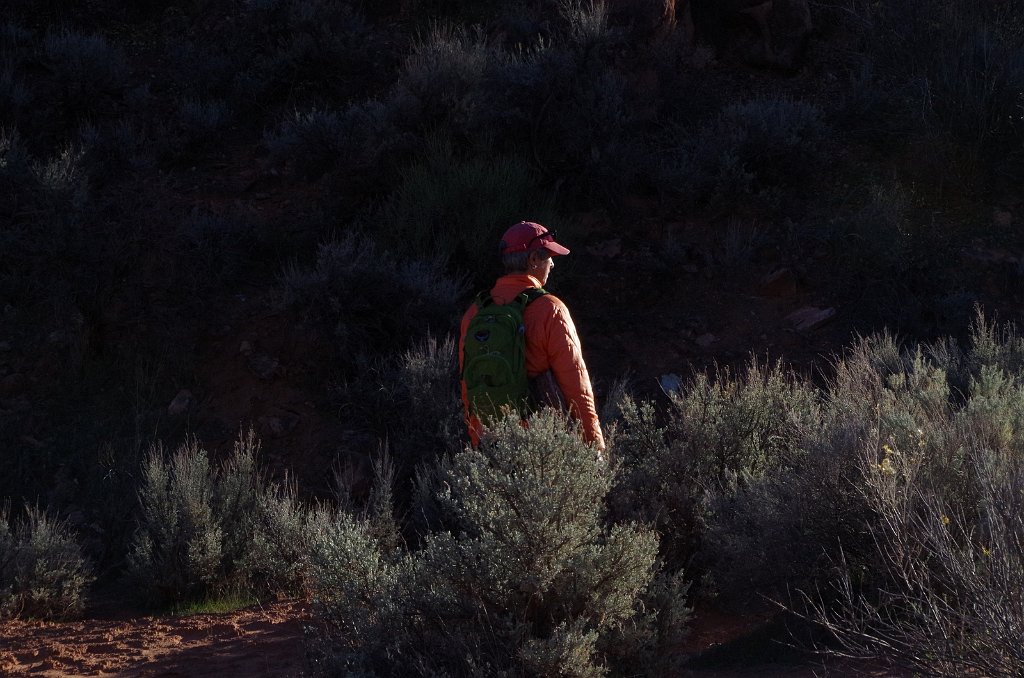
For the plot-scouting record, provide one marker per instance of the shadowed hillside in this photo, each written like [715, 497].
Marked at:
[236, 239]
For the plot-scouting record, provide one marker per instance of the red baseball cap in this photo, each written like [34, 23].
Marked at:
[526, 236]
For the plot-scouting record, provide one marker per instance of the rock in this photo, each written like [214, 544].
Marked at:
[5, 346]
[181, 403]
[670, 383]
[810, 317]
[706, 340]
[245, 348]
[779, 283]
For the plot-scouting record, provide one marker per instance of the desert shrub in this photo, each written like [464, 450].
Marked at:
[200, 118]
[754, 149]
[87, 72]
[370, 302]
[315, 142]
[177, 552]
[16, 45]
[205, 530]
[306, 52]
[116, 151]
[949, 548]
[414, 406]
[528, 579]
[872, 237]
[43, 572]
[963, 60]
[720, 437]
[929, 544]
[44, 202]
[444, 73]
[454, 209]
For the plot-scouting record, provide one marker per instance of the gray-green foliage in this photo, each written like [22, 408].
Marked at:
[454, 209]
[418, 404]
[753, 149]
[957, 66]
[43, 572]
[204, 530]
[940, 474]
[528, 577]
[368, 300]
[176, 553]
[720, 437]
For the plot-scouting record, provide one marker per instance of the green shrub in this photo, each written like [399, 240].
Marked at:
[414, 405]
[177, 552]
[43, 573]
[964, 62]
[206, 531]
[873, 236]
[369, 302]
[453, 208]
[754, 149]
[87, 71]
[200, 118]
[316, 142]
[930, 539]
[307, 52]
[529, 578]
[720, 438]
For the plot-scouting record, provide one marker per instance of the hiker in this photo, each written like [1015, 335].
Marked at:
[554, 365]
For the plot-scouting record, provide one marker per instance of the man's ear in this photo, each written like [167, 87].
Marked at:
[534, 259]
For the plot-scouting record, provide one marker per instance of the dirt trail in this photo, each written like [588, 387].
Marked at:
[267, 640]
[255, 641]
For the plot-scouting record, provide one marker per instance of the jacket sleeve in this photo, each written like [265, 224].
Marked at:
[566, 359]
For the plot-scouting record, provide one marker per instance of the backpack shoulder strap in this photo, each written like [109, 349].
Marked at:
[483, 299]
[529, 295]
[534, 293]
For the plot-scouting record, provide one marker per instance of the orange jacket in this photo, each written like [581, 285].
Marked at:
[551, 344]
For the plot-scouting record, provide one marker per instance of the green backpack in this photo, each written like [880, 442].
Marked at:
[494, 357]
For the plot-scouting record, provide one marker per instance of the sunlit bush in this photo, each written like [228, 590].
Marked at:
[529, 577]
[43, 572]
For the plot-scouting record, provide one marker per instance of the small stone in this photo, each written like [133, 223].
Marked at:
[810, 317]
[670, 383]
[5, 346]
[245, 348]
[181, 403]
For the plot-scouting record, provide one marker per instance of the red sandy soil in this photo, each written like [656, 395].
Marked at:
[256, 641]
[267, 640]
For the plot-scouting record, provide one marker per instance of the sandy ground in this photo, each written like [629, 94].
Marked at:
[256, 641]
[267, 640]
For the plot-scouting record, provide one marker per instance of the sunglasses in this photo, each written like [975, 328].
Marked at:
[529, 243]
